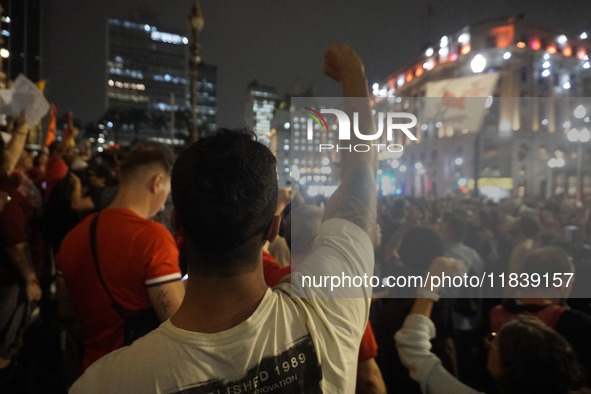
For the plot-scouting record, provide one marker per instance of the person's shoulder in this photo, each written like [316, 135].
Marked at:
[130, 220]
[79, 232]
[156, 231]
[122, 365]
[156, 226]
[344, 227]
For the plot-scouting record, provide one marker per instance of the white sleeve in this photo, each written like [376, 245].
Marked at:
[413, 342]
[335, 319]
[341, 259]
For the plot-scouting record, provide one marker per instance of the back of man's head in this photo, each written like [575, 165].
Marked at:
[456, 227]
[142, 161]
[549, 259]
[54, 147]
[419, 246]
[224, 190]
[549, 262]
[529, 225]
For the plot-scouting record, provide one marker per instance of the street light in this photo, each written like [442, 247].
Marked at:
[478, 64]
[196, 21]
[579, 137]
[552, 163]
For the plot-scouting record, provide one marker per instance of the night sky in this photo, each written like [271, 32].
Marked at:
[275, 42]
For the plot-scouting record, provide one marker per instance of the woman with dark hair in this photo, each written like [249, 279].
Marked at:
[525, 357]
[533, 358]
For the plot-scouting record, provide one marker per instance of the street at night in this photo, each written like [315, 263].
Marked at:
[264, 197]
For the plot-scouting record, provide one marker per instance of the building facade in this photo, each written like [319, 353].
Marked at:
[259, 108]
[533, 137]
[21, 38]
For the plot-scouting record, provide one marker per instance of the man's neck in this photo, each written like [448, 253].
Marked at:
[217, 304]
[132, 201]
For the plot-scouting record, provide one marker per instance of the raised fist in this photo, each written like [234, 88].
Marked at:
[341, 62]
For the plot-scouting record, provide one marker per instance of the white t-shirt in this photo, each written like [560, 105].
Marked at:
[287, 345]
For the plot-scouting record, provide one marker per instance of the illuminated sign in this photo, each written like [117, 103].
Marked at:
[501, 183]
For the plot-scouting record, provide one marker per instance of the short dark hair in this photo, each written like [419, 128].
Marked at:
[545, 237]
[224, 190]
[135, 160]
[536, 359]
[549, 259]
[419, 246]
[457, 226]
[529, 225]
[54, 147]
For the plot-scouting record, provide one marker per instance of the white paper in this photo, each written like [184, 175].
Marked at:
[24, 95]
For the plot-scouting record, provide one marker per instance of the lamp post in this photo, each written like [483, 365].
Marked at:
[3, 54]
[552, 163]
[195, 19]
[579, 137]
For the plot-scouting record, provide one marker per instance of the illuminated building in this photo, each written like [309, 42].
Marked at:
[22, 38]
[261, 102]
[513, 150]
[146, 73]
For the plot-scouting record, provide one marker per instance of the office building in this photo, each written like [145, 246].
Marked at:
[147, 85]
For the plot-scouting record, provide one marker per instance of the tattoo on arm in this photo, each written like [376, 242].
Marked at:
[355, 199]
[164, 301]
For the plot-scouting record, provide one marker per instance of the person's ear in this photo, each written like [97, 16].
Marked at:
[273, 229]
[155, 182]
[174, 224]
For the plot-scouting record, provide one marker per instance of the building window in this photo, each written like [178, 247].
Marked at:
[543, 153]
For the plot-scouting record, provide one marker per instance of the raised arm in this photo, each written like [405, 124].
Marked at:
[356, 198]
[78, 201]
[413, 340]
[19, 129]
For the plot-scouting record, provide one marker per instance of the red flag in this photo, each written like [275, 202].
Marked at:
[69, 125]
[51, 126]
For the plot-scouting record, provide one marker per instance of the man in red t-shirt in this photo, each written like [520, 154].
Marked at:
[56, 168]
[138, 258]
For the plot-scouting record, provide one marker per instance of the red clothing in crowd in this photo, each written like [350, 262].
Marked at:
[18, 224]
[134, 253]
[274, 272]
[55, 170]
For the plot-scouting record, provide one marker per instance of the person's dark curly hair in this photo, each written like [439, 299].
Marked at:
[419, 246]
[224, 190]
[536, 359]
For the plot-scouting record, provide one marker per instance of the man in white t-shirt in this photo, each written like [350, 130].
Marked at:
[232, 334]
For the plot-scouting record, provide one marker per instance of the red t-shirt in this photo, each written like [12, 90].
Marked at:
[274, 272]
[134, 253]
[55, 170]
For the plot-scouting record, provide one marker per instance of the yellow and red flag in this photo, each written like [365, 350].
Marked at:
[51, 126]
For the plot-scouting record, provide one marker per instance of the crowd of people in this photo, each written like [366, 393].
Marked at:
[142, 270]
